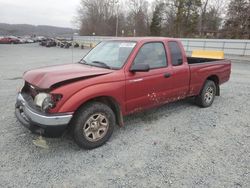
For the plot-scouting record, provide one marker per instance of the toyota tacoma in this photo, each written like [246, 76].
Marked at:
[116, 78]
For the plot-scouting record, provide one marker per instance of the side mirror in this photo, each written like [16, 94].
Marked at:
[140, 68]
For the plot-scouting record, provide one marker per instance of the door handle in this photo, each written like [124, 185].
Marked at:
[136, 80]
[167, 75]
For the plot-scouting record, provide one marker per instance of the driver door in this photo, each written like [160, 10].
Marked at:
[148, 89]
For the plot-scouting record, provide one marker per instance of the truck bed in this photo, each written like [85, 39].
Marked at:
[196, 60]
[203, 68]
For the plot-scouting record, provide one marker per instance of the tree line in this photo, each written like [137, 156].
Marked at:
[171, 18]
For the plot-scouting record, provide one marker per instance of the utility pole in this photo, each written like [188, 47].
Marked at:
[117, 19]
[116, 28]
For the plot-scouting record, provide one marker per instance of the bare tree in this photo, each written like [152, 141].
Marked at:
[138, 17]
[203, 15]
[98, 16]
[174, 18]
[211, 17]
[237, 24]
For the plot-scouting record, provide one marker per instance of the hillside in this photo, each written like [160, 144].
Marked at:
[25, 29]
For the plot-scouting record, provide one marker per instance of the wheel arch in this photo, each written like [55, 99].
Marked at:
[109, 101]
[216, 80]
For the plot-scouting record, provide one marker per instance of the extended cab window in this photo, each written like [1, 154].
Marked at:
[176, 54]
[152, 54]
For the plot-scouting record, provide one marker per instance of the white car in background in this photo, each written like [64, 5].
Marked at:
[26, 39]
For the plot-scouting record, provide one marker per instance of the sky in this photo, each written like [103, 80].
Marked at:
[60, 13]
[39, 12]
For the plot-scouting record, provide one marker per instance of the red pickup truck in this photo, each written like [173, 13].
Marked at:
[116, 78]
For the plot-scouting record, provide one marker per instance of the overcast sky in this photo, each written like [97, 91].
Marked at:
[39, 12]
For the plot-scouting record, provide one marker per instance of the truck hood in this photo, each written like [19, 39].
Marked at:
[46, 77]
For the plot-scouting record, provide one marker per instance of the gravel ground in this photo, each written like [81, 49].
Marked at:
[177, 145]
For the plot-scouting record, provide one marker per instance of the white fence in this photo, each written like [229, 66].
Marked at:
[230, 47]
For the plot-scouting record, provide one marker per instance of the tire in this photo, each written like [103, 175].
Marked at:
[93, 125]
[206, 97]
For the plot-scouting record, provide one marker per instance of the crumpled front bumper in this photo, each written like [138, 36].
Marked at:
[45, 124]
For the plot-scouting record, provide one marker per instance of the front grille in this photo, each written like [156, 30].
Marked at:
[30, 90]
[29, 93]
[33, 91]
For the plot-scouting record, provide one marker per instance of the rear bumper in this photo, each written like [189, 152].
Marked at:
[44, 124]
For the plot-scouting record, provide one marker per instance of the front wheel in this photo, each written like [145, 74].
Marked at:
[207, 95]
[93, 125]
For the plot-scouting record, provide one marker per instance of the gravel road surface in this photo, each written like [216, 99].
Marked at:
[176, 145]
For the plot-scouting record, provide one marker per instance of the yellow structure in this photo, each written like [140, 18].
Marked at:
[208, 54]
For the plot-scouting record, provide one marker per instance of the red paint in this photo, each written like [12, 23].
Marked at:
[46, 77]
[8, 40]
[132, 96]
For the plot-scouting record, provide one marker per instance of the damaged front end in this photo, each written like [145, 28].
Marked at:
[32, 107]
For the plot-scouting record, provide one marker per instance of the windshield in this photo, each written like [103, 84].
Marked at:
[109, 54]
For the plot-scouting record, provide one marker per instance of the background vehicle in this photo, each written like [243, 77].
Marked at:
[9, 40]
[43, 42]
[63, 43]
[24, 40]
[114, 79]
[50, 43]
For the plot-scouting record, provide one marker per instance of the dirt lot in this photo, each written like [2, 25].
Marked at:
[177, 145]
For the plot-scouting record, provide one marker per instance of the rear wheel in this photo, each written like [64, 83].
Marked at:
[207, 95]
[93, 125]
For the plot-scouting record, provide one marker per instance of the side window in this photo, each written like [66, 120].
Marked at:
[152, 54]
[176, 54]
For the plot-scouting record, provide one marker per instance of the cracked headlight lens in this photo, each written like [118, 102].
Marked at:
[44, 101]
[39, 98]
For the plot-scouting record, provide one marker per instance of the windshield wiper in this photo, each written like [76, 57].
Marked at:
[102, 64]
[82, 61]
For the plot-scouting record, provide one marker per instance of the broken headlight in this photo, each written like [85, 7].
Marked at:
[44, 101]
